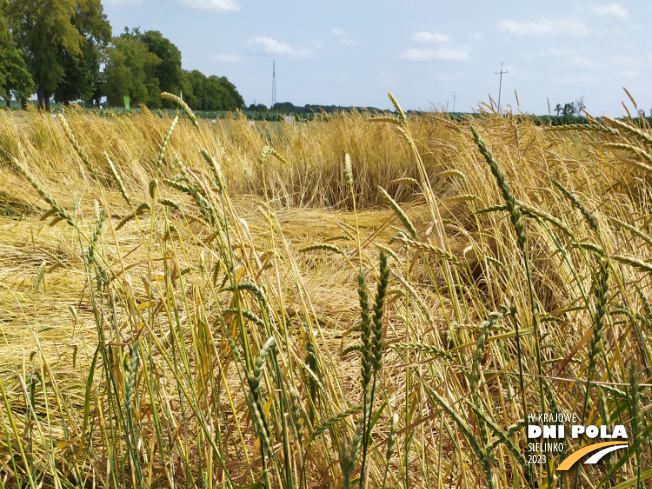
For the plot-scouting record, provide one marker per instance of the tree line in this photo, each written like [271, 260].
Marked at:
[290, 108]
[571, 108]
[65, 49]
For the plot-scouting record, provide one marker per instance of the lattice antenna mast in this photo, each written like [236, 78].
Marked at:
[500, 86]
[273, 85]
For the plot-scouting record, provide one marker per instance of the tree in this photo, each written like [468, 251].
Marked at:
[216, 94]
[194, 89]
[257, 107]
[234, 100]
[579, 105]
[94, 99]
[82, 78]
[130, 71]
[168, 71]
[52, 32]
[210, 93]
[142, 65]
[569, 109]
[13, 71]
[221, 95]
[558, 109]
[286, 107]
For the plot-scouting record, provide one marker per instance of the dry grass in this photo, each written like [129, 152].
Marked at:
[223, 335]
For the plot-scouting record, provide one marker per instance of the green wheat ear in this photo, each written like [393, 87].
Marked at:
[191, 115]
[367, 358]
[508, 197]
[164, 142]
[45, 195]
[379, 305]
[332, 421]
[139, 210]
[80, 151]
[118, 180]
[576, 203]
[215, 168]
[391, 443]
[400, 213]
[602, 287]
[401, 115]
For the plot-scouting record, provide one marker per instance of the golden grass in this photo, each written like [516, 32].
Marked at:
[208, 331]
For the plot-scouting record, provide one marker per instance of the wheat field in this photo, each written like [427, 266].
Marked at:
[355, 301]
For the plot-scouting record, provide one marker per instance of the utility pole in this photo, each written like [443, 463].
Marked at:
[500, 86]
[454, 97]
[273, 85]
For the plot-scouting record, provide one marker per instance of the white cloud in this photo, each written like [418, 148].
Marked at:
[267, 45]
[122, 2]
[441, 54]
[557, 53]
[476, 36]
[582, 58]
[612, 10]
[343, 37]
[227, 58]
[545, 27]
[221, 5]
[430, 37]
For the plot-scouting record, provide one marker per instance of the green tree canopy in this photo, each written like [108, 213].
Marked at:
[130, 72]
[13, 71]
[168, 71]
[194, 88]
[54, 36]
[59, 47]
[233, 100]
[142, 65]
[210, 93]
[82, 78]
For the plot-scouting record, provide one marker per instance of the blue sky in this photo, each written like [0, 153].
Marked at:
[441, 54]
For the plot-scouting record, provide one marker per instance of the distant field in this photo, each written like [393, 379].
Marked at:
[309, 113]
[275, 115]
[337, 303]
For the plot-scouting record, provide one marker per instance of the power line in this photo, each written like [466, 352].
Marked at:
[500, 86]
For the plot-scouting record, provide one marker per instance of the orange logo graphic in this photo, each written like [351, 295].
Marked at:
[607, 447]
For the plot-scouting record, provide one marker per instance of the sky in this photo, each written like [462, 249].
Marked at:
[433, 54]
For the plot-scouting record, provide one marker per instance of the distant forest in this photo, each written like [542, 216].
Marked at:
[65, 49]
